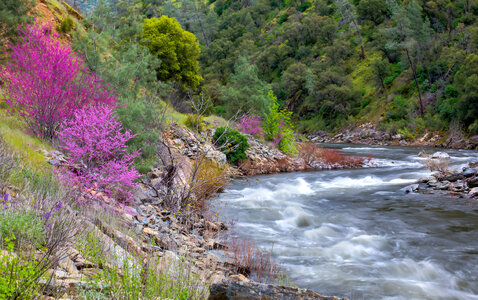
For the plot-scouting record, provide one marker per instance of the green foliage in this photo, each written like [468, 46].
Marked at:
[66, 25]
[195, 122]
[15, 276]
[232, 143]
[372, 10]
[278, 127]
[245, 93]
[177, 49]
[20, 227]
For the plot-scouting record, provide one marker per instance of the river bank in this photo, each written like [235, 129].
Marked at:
[368, 134]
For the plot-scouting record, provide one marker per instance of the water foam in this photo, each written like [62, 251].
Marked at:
[347, 182]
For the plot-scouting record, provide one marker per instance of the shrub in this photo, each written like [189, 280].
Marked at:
[66, 25]
[278, 127]
[251, 125]
[309, 152]
[231, 143]
[45, 82]
[98, 156]
[251, 261]
[210, 179]
[195, 122]
[335, 159]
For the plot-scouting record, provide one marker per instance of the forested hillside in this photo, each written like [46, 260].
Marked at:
[334, 63]
[408, 66]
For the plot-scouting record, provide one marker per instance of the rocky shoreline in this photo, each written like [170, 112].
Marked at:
[368, 134]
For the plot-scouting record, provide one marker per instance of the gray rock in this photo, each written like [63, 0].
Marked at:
[472, 182]
[473, 192]
[410, 189]
[468, 172]
[238, 290]
[454, 177]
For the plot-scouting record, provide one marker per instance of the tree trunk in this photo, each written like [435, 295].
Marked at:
[422, 111]
[362, 55]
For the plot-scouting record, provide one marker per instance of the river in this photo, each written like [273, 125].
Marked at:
[351, 233]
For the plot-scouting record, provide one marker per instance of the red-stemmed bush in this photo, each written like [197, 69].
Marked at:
[45, 81]
[98, 159]
[335, 158]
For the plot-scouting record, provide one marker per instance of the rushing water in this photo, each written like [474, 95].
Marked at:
[350, 233]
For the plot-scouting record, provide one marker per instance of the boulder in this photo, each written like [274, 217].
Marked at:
[240, 290]
[440, 155]
[410, 189]
[473, 192]
[472, 182]
[468, 172]
[454, 177]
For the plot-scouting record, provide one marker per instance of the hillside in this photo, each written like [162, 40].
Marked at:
[339, 64]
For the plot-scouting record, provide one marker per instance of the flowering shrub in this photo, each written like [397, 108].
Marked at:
[45, 81]
[251, 125]
[98, 157]
[278, 127]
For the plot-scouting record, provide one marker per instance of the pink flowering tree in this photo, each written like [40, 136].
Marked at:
[251, 125]
[45, 81]
[98, 158]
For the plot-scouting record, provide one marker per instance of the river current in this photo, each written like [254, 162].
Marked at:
[351, 233]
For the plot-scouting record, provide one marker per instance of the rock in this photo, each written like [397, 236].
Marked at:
[211, 226]
[472, 182]
[468, 172]
[454, 177]
[440, 155]
[473, 192]
[238, 290]
[212, 244]
[239, 277]
[68, 265]
[410, 189]
[150, 231]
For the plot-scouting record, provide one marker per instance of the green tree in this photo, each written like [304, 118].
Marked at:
[347, 11]
[245, 92]
[294, 81]
[466, 81]
[372, 10]
[177, 49]
[411, 34]
[381, 69]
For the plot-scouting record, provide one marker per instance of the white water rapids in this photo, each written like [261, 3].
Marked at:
[350, 233]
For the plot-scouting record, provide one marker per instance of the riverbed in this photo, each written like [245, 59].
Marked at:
[352, 233]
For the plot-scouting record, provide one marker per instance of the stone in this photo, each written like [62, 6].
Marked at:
[440, 155]
[68, 265]
[472, 182]
[239, 290]
[150, 231]
[454, 177]
[211, 226]
[469, 172]
[473, 192]
[410, 189]
[239, 277]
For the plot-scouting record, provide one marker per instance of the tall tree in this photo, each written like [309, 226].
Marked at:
[347, 11]
[245, 91]
[411, 35]
[177, 49]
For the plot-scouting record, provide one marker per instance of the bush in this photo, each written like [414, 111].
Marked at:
[251, 125]
[210, 179]
[278, 127]
[195, 122]
[66, 25]
[45, 82]
[231, 143]
[98, 156]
